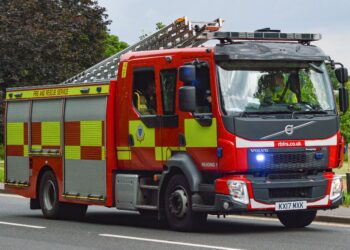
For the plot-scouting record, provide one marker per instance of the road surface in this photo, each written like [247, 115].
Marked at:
[106, 228]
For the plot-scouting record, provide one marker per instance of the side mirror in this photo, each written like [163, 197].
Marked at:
[343, 99]
[342, 75]
[187, 99]
[187, 73]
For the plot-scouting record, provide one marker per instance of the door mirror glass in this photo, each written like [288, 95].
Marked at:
[187, 99]
[187, 74]
[343, 99]
[342, 75]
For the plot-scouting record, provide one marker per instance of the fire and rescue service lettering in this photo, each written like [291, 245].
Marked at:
[50, 92]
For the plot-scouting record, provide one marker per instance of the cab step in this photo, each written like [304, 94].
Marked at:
[146, 207]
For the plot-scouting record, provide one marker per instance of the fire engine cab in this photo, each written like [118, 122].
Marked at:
[179, 130]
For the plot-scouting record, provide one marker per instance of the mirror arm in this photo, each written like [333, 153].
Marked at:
[338, 63]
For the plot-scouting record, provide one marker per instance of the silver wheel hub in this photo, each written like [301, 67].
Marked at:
[178, 203]
[49, 195]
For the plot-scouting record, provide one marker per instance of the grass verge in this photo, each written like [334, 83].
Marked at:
[345, 169]
[347, 200]
[1, 172]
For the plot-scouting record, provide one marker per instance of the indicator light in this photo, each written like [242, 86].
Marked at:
[318, 156]
[219, 152]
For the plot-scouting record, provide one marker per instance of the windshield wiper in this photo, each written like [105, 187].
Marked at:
[245, 113]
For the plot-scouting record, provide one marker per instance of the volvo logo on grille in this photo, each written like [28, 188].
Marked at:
[289, 129]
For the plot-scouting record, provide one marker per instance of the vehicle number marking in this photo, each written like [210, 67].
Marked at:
[290, 205]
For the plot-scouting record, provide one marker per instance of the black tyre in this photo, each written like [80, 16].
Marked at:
[148, 213]
[74, 211]
[178, 206]
[296, 219]
[49, 203]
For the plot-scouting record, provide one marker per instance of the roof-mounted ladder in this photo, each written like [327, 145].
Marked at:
[179, 34]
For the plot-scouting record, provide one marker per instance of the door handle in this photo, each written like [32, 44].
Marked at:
[182, 140]
[131, 140]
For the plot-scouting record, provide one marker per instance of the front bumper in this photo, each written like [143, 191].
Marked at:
[264, 193]
[226, 205]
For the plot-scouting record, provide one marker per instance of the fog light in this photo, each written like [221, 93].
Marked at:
[336, 188]
[260, 157]
[238, 191]
[226, 205]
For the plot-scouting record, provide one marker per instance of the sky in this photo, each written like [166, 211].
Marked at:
[132, 18]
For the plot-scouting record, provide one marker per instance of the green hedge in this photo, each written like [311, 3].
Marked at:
[1, 152]
[347, 199]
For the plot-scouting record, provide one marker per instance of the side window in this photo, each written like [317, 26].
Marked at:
[203, 92]
[168, 86]
[144, 91]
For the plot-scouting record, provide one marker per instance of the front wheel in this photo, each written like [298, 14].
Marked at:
[178, 206]
[296, 219]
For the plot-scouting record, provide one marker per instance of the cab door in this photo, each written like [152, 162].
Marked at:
[195, 133]
[171, 129]
[144, 126]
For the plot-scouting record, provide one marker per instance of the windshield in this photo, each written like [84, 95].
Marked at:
[274, 87]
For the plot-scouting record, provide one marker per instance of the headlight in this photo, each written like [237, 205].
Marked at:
[336, 188]
[238, 191]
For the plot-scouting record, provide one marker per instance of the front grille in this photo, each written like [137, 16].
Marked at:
[286, 176]
[277, 160]
[290, 193]
[286, 158]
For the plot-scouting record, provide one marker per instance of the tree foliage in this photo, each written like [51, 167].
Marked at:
[159, 26]
[48, 41]
[345, 121]
[113, 45]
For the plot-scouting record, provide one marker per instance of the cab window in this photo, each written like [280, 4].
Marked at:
[144, 91]
[168, 86]
[203, 92]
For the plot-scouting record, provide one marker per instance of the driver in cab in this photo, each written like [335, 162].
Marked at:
[277, 91]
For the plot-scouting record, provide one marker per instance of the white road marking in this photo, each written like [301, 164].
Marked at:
[12, 196]
[179, 243]
[21, 225]
[330, 224]
[321, 223]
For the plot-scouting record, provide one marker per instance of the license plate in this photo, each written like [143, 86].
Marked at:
[290, 205]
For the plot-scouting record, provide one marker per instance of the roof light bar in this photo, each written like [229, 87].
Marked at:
[300, 37]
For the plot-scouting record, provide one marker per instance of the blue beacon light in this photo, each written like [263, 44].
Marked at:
[260, 157]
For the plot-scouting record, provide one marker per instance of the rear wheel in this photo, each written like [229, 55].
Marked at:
[49, 203]
[296, 219]
[178, 205]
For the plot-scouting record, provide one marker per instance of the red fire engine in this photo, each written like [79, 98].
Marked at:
[249, 125]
